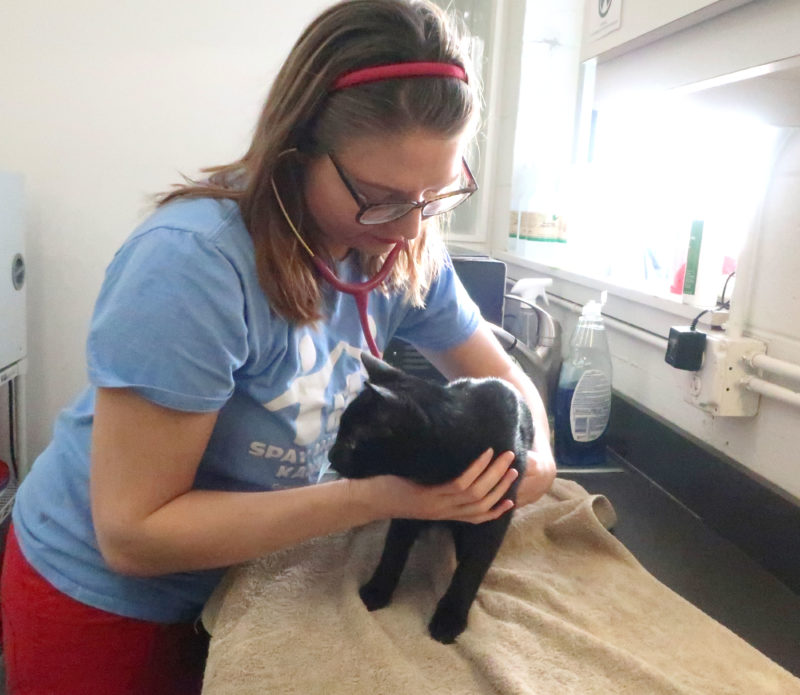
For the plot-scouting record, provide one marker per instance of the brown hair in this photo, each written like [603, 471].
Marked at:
[301, 114]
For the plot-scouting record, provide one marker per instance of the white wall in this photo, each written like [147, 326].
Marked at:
[102, 104]
[641, 20]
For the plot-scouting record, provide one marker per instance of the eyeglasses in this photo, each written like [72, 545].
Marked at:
[380, 213]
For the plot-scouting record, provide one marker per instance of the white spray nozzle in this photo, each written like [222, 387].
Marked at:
[594, 309]
[530, 289]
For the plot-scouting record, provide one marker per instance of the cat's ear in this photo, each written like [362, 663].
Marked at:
[381, 391]
[378, 370]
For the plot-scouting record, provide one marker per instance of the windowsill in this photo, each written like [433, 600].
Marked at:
[652, 313]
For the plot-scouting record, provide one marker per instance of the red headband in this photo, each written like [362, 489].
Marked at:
[393, 71]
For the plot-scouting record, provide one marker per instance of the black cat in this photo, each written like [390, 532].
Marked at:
[405, 426]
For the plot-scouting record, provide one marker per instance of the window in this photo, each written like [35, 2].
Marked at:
[612, 188]
[468, 221]
[657, 170]
[545, 130]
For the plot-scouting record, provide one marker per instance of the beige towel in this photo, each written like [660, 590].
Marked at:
[564, 609]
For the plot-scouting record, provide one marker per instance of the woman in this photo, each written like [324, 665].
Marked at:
[220, 358]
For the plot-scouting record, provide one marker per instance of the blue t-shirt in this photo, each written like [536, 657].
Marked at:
[181, 319]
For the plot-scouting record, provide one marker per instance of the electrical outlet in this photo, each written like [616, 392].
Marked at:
[716, 387]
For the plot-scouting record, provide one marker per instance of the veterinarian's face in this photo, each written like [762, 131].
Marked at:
[409, 168]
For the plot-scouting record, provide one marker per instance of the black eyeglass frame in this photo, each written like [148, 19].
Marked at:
[364, 205]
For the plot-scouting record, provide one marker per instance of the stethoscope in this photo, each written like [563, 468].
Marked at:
[359, 290]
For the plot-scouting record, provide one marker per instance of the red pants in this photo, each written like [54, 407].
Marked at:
[54, 645]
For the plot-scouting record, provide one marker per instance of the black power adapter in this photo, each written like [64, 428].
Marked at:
[685, 348]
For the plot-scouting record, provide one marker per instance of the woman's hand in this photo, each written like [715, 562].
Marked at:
[476, 496]
[481, 355]
[539, 476]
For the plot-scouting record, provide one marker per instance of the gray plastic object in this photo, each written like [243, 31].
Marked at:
[18, 271]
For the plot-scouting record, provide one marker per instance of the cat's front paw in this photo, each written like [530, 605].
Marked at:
[445, 627]
[374, 596]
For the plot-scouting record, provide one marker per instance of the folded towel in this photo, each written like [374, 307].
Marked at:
[564, 609]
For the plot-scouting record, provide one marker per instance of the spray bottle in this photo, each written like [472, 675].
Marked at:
[583, 397]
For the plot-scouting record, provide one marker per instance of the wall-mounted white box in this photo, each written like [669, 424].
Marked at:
[717, 387]
[13, 344]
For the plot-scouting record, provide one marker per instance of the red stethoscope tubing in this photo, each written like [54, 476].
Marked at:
[360, 290]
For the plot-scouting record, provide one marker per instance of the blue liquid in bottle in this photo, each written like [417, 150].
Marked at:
[568, 451]
[583, 398]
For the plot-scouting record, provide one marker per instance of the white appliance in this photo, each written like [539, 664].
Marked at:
[13, 345]
[13, 342]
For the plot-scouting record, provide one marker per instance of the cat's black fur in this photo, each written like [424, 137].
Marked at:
[405, 426]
